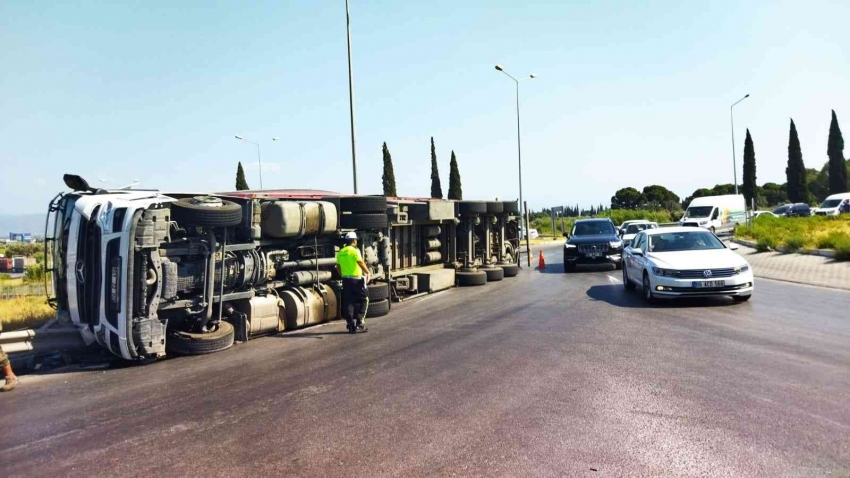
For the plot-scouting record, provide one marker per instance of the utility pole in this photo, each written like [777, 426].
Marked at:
[351, 97]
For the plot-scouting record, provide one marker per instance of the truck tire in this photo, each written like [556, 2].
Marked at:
[510, 207]
[471, 207]
[359, 204]
[379, 291]
[379, 308]
[363, 221]
[495, 207]
[511, 270]
[206, 211]
[465, 279]
[494, 274]
[188, 343]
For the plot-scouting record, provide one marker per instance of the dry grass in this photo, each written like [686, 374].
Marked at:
[24, 312]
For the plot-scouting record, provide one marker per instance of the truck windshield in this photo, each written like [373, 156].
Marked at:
[57, 246]
[830, 203]
[698, 211]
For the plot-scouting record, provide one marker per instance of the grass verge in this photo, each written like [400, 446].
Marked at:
[795, 233]
[24, 313]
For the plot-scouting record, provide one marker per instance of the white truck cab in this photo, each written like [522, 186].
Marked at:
[715, 213]
[834, 205]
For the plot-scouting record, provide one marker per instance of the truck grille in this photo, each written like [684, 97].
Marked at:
[700, 273]
[590, 248]
[88, 272]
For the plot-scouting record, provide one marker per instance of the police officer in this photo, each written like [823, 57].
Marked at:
[355, 275]
[6, 367]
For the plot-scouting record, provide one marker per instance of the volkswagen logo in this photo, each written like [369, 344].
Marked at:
[706, 273]
[80, 271]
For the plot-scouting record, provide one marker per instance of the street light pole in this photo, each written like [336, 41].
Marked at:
[734, 160]
[519, 158]
[351, 97]
[259, 160]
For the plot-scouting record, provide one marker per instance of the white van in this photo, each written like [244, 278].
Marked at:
[715, 213]
[834, 205]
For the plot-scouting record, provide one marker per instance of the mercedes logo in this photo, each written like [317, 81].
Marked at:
[80, 271]
[706, 273]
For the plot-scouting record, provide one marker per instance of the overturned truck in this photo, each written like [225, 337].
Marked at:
[147, 274]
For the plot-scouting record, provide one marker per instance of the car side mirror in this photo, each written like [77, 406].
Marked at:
[637, 252]
[567, 235]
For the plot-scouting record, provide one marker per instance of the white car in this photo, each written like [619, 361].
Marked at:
[634, 228]
[685, 262]
[532, 234]
[763, 213]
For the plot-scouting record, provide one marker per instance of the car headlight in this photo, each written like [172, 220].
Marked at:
[570, 246]
[616, 244]
[665, 272]
[741, 269]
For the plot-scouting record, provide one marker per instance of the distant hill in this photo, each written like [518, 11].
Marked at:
[33, 223]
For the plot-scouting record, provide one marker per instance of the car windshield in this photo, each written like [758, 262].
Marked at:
[636, 228]
[593, 228]
[780, 209]
[684, 241]
[698, 211]
[830, 203]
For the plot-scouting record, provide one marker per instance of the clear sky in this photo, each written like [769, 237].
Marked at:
[628, 93]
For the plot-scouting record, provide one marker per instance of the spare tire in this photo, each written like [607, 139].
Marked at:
[363, 204]
[363, 221]
[494, 274]
[379, 308]
[510, 206]
[379, 291]
[465, 279]
[511, 270]
[471, 207]
[188, 343]
[206, 211]
[495, 207]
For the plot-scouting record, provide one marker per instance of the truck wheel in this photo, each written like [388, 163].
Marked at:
[494, 274]
[495, 207]
[206, 211]
[379, 291]
[363, 204]
[471, 207]
[379, 308]
[363, 221]
[510, 207]
[465, 279]
[188, 343]
[511, 270]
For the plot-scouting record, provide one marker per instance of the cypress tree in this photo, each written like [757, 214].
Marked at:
[241, 184]
[455, 190]
[837, 166]
[750, 188]
[436, 187]
[795, 172]
[388, 178]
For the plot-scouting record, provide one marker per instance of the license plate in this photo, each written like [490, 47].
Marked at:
[709, 284]
[594, 255]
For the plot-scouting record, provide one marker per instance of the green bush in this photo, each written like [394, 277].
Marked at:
[764, 244]
[794, 243]
[842, 247]
[34, 273]
[830, 240]
[5, 277]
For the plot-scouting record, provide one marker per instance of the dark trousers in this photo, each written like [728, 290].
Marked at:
[355, 299]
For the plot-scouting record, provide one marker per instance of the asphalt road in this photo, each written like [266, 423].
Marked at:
[545, 374]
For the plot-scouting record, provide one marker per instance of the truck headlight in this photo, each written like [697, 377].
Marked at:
[703, 223]
[115, 284]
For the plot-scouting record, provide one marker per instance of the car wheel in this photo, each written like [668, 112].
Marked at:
[618, 265]
[627, 283]
[648, 296]
[741, 298]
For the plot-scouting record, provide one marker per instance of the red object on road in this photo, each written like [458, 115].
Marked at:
[541, 264]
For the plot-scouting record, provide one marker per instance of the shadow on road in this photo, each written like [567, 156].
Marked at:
[617, 296]
[558, 268]
[309, 335]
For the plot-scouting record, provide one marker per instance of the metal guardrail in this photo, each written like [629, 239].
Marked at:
[51, 337]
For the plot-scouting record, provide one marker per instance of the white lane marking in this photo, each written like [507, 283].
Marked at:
[614, 280]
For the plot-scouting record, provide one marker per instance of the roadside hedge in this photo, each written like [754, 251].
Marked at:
[794, 233]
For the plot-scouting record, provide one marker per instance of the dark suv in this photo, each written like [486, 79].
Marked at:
[593, 241]
[799, 210]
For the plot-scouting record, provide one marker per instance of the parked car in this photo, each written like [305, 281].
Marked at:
[685, 262]
[763, 213]
[634, 228]
[592, 241]
[625, 224]
[834, 205]
[799, 210]
[532, 234]
[715, 213]
[782, 210]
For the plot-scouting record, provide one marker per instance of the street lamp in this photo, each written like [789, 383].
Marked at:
[351, 97]
[519, 158]
[732, 120]
[259, 161]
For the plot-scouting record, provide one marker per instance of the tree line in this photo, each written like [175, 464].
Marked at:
[388, 176]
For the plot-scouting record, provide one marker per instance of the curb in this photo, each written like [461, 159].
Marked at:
[807, 252]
